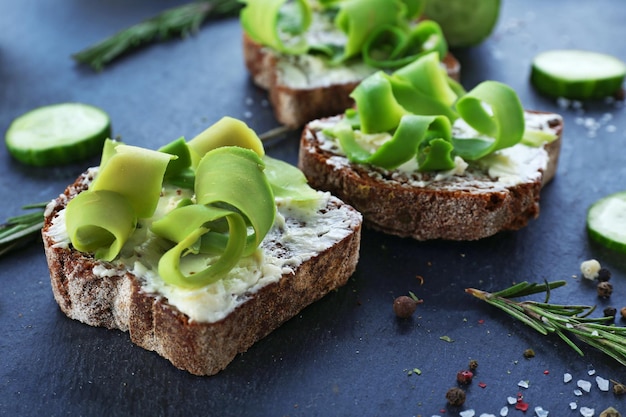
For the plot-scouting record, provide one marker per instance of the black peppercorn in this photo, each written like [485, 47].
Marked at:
[610, 312]
[455, 396]
[604, 275]
[473, 364]
[605, 289]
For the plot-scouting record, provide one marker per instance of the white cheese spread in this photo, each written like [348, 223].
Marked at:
[502, 169]
[299, 233]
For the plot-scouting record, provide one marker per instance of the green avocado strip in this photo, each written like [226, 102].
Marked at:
[245, 188]
[227, 131]
[415, 133]
[288, 182]
[100, 221]
[235, 185]
[378, 108]
[382, 32]
[232, 193]
[269, 22]
[359, 18]
[494, 110]
[422, 89]
[182, 161]
[186, 231]
[392, 47]
[135, 173]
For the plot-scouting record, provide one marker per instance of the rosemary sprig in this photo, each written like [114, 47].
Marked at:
[559, 319]
[19, 230]
[181, 20]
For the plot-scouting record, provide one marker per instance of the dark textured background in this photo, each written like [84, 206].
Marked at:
[347, 354]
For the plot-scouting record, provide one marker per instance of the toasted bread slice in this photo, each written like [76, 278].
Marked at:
[467, 205]
[304, 88]
[300, 261]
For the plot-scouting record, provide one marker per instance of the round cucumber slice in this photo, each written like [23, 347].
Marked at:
[577, 74]
[606, 221]
[464, 22]
[58, 134]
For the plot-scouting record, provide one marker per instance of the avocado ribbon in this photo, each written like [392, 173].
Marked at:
[383, 32]
[418, 105]
[235, 186]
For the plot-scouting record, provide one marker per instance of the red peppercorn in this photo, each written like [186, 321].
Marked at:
[464, 377]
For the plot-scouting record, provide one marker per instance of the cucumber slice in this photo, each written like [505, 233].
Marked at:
[606, 221]
[58, 134]
[464, 22]
[577, 74]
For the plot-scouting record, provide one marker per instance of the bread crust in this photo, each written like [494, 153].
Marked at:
[117, 300]
[294, 107]
[464, 210]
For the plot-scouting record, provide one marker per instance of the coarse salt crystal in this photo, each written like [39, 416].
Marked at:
[587, 412]
[523, 384]
[573, 405]
[467, 413]
[540, 412]
[603, 384]
[511, 400]
[567, 377]
[487, 415]
[584, 385]
[591, 371]
[504, 411]
[590, 268]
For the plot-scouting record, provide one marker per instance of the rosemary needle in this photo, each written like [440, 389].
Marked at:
[178, 21]
[19, 230]
[559, 319]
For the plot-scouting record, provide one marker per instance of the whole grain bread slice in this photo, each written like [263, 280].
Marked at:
[108, 294]
[428, 206]
[320, 94]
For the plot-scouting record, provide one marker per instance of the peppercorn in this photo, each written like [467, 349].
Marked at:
[473, 364]
[404, 306]
[605, 289]
[618, 388]
[610, 412]
[464, 377]
[604, 275]
[610, 312]
[529, 353]
[455, 396]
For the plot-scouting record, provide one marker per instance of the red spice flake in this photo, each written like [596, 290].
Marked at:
[546, 372]
[481, 321]
[521, 405]
[482, 385]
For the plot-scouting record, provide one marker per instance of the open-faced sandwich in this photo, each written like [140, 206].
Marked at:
[199, 249]
[310, 54]
[421, 158]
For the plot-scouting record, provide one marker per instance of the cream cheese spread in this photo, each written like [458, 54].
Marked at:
[299, 233]
[504, 168]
